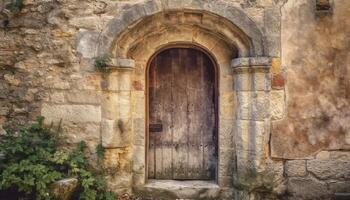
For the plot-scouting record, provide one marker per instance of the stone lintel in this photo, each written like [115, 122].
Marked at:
[121, 64]
[254, 63]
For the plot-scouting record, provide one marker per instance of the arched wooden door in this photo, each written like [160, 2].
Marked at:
[182, 116]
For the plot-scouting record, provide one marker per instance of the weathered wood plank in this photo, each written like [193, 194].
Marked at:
[180, 128]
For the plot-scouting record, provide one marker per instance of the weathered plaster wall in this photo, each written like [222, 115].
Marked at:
[316, 128]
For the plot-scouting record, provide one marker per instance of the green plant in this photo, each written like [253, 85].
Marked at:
[32, 161]
[101, 63]
[100, 151]
[15, 6]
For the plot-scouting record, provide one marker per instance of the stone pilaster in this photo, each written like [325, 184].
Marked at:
[252, 84]
[116, 123]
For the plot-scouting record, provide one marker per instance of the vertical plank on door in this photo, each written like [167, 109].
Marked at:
[209, 135]
[195, 112]
[180, 159]
[164, 144]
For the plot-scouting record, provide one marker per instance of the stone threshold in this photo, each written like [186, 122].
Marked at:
[176, 189]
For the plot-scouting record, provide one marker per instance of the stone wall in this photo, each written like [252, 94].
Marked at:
[313, 137]
[285, 117]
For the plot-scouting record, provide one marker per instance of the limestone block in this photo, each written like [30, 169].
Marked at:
[226, 133]
[226, 83]
[340, 186]
[110, 108]
[295, 168]
[124, 81]
[86, 22]
[251, 61]
[109, 133]
[254, 81]
[139, 130]
[115, 183]
[88, 132]
[250, 147]
[227, 105]
[139, 159]
[86, 42]
[139, 179]
[114, 134]
[307, 188]
[336, 166]
[277, 104]
[72, 113]
[138, 104]
[84, 96]
[250, 136]
[119, 159]
[124, 104]
[112, 83]
[64, 189]
[57, 97]
[89, 82]
[226, 160]
[121, 63]
[253, 105]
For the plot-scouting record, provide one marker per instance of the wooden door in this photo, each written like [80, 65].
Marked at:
[182, 116]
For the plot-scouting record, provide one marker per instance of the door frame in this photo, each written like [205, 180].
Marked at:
[216, 94]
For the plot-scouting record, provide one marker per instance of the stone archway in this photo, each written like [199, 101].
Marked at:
[232, 39]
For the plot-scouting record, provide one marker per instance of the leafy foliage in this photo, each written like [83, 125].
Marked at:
[101, 63]
[15, 6]
[31, 161]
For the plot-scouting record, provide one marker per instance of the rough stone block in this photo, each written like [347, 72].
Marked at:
[250, 136]
[121, 63]
[253, 105]
[139, 159]
[124, 104]
[81, 96]
[340, 186]
[86, 43]
[227, 105]
[295, 168]
[138, 104]
[226, 159]
[307, 188]
[277, 104]
[139, 129]
[72, 113]
[276, 66]
[110, 108]
[57, 97]
[278, 81]
[88, 132]
[226, 133]
[113, 134]
[336, 166]
[255, 81]
[251, 61]
[64, 189]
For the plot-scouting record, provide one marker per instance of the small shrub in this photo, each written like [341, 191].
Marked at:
[32, 161]
[15, 6]
[101, 63]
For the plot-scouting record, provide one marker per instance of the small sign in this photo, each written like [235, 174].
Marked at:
[155, 127]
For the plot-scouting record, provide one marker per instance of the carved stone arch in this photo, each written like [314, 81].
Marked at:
[228, 16]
